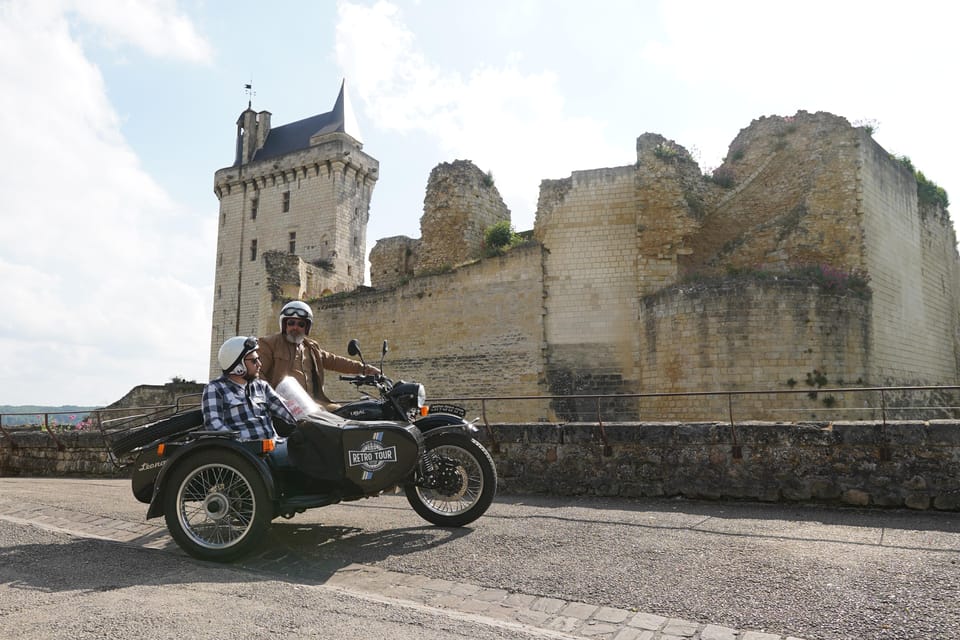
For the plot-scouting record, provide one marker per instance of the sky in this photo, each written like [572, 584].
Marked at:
[115, 114]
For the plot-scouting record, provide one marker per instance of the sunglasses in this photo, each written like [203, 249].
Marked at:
[298, 323]
[300, 313]
[253, 360]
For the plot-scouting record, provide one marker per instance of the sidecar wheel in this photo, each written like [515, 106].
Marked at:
[216, 506]
[465, 486]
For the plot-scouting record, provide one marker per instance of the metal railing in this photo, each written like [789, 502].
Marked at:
[877, 403]
[883, 407]
[124, 419]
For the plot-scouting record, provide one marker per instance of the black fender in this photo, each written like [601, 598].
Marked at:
[203, 443]
[435, 424]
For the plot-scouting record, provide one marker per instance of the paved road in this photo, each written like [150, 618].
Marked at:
[532, 567]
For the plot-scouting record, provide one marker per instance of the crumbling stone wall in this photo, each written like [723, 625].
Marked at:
[460, 204]
[791, 198]
[910, 253]
[621, 300]
[392, 261]
[477, 330]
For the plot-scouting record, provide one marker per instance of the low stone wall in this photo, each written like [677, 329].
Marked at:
[901, 464]
[72, 453]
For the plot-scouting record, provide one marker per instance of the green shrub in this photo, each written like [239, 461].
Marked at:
[928, 191]
[498, 238]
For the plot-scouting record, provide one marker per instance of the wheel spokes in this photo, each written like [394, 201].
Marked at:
[471, 482]
[216, 506]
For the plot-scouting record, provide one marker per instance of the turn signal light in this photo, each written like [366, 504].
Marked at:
[267, 446]
[424, 410]
[161, 448]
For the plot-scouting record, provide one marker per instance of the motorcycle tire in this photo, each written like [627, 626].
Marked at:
[468, 482]
[216, 505]
[174, 425]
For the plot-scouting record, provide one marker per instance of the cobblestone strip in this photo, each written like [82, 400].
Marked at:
[574, 618]
[142, 534]
[560, 617]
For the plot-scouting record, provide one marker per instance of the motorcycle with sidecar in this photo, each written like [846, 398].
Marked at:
[218, 494]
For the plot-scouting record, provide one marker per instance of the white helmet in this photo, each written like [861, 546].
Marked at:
[233, 351]
[296, 309]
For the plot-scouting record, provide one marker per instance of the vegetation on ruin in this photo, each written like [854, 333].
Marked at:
[666, 151]
[928, 192]
[499, 238]
[868, 124]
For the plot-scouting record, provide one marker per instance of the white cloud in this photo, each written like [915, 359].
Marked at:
[154, 26]
[882, 61]
[98, 264]
[507, 121]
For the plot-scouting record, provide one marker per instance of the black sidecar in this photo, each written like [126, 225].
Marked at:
[218, 494]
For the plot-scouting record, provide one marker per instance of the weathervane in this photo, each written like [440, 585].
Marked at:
[250, 92]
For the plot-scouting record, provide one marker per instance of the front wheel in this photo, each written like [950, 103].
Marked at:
[460, 487]
[216, 505]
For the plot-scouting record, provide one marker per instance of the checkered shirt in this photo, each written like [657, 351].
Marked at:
[228, 406]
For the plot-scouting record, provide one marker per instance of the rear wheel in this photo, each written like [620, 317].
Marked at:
[462, 485]
[216, 505]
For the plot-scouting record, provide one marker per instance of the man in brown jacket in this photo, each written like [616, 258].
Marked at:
[292, 353]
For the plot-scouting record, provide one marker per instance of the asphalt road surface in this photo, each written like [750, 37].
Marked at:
[78, 560]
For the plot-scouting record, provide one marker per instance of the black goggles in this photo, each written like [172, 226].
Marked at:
[289, 313]
[250, 344]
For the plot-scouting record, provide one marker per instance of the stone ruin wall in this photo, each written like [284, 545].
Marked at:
[475, 331]
[461, 202]
[911, 256]
[753, 336]
[793, 200]
[392, 261]
[587, 226]
[613, 246]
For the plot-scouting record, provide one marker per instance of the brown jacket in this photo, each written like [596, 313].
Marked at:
[275, 354]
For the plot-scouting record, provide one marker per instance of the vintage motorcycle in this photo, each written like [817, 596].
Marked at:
[218, 494]
[405, 401]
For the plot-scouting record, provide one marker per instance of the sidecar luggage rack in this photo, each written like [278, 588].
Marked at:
[115, 429]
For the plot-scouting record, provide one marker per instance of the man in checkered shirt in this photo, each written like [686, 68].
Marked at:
[239, 400]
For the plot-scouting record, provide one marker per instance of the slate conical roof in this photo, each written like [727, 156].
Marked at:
[296, 135]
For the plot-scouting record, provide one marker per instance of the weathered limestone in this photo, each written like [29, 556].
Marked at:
[310, 202]
[654, 278]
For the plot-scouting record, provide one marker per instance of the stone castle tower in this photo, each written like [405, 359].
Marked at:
[293, 218]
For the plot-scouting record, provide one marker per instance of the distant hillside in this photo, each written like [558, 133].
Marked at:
[65, 414]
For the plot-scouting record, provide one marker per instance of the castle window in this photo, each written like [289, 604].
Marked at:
[293, 242]
[254, 206]
[219, 259]
[253, 250]
[286, 201]
[223, 218]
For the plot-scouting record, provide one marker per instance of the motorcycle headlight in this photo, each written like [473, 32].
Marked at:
[410, 395]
